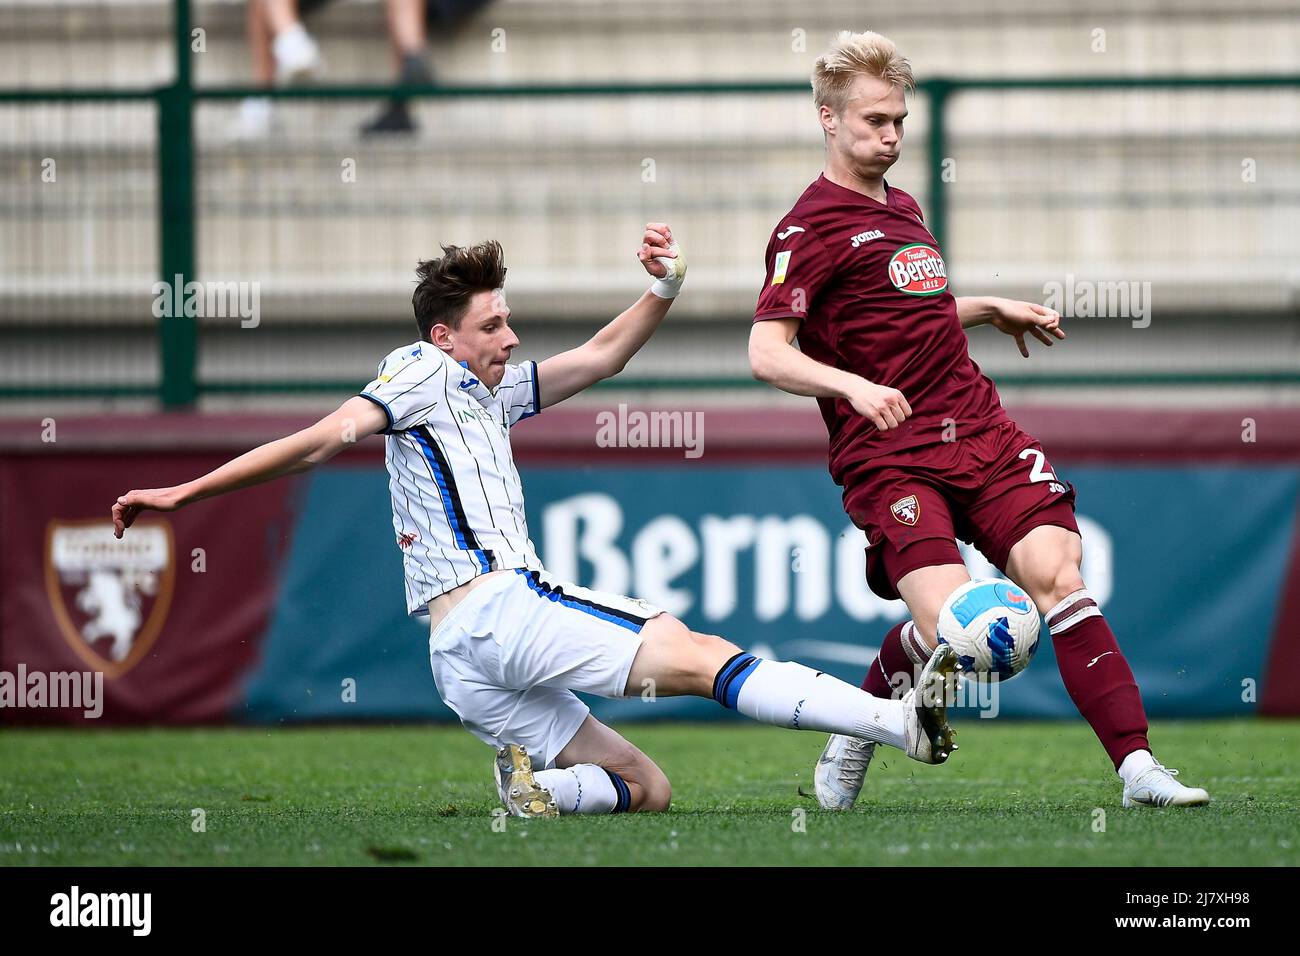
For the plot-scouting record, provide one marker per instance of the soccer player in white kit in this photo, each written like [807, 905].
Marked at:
[509, 644]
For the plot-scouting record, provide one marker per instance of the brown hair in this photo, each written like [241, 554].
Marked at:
[854, 55]
[446, 284]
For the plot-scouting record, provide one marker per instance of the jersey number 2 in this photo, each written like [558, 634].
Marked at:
[1038, 472]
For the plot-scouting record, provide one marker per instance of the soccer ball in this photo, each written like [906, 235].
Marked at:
[993, 626]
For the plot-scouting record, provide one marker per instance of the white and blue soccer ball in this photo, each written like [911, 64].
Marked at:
[993, 626]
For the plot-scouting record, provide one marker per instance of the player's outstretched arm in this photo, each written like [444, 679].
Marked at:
[773, 358]
[1014, 318]
[607, 352]
[353, 420]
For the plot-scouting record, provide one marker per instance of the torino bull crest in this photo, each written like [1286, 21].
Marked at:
[109, 596]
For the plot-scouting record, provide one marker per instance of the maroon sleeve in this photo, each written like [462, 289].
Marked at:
[798, 268]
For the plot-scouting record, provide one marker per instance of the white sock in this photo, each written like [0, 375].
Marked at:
[791, 695]
[1136, 764]
[582, 788]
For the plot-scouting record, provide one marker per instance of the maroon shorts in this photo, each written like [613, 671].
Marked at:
[990, 490]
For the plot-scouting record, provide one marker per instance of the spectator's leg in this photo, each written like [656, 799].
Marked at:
[280, 15]
[259, 44]
[407, 34]
[255, 117]
[297, 58]
[406, 29]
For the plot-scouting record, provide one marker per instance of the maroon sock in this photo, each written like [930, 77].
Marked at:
[901, 653]
[1097, 676]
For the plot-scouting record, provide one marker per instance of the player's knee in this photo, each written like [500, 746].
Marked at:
[676, 660]
[710, 655]
[698, 651]
[651, 791]
[656, 792]
[711, 643]
[1054, 584]
[1066, 582]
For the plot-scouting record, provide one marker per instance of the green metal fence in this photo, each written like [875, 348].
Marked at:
[177, 163]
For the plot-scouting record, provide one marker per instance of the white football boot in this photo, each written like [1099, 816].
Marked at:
[518, 788]
[928, 736]
[841, 771]
[1156, 787]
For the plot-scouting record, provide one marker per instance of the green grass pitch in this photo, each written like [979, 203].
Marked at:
[1016, 793]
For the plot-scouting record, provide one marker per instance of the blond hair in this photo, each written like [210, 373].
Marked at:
[854, 55]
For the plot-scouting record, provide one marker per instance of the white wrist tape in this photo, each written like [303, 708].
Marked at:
[671, 284]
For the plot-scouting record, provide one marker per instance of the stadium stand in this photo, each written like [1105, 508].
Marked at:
[1055, 185]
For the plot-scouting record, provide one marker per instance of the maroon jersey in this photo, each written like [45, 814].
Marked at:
[871, 289]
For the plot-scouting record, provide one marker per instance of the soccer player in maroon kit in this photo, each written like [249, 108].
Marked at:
[919, 439]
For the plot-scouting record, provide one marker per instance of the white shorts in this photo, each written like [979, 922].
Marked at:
[508, 657]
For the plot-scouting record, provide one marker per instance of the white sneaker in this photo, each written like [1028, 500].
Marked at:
[1156, 787]
[254, 121]
[518, 788]
[841, 771]
[297, 57]
[928, 736]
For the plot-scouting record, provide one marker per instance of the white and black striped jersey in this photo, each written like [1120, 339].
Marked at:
[458, 505]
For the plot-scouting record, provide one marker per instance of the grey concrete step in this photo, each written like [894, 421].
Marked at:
[124, 42]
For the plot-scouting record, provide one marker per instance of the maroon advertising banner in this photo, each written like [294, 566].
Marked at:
[158, 626]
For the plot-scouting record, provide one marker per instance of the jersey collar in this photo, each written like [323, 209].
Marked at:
[890, 202]
[470, 385]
